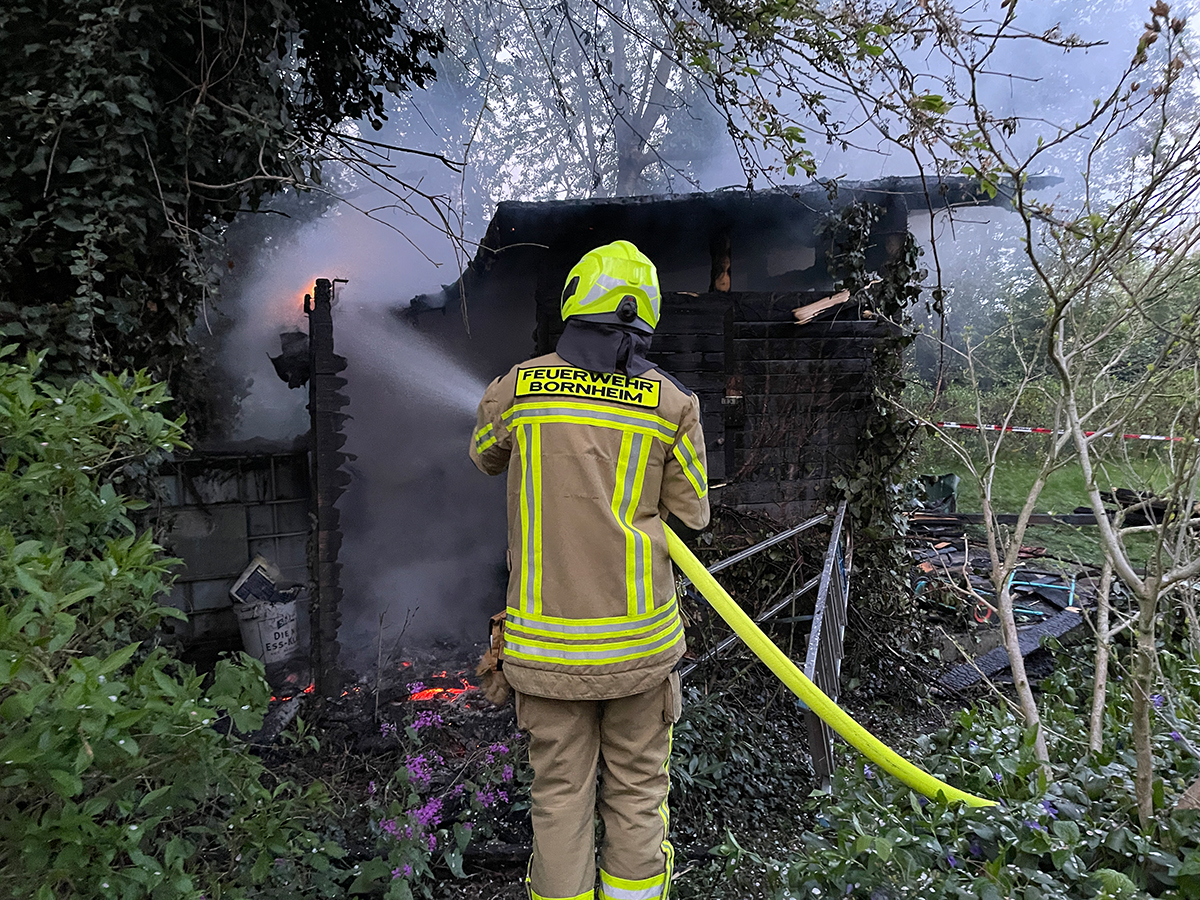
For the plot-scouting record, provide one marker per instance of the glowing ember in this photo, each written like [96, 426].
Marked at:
[448, 694]
[308, 690]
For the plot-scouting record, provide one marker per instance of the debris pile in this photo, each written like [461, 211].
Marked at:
[954, 583]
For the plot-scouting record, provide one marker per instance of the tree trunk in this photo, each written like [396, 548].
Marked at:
[1103, 641]
[1029, 709]
[1193, 623]
[1143, 675]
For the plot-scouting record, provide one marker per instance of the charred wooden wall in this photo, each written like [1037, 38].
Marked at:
[783, 404]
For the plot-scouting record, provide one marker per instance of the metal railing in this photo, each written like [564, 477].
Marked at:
[823, 662]
[826, 644]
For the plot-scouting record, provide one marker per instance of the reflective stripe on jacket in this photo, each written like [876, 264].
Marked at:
[594, 461]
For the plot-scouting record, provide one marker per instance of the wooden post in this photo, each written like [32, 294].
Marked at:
[329, 481]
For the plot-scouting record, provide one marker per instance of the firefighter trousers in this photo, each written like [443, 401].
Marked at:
[630, 740]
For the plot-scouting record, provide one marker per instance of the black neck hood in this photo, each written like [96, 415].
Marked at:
[605, 348]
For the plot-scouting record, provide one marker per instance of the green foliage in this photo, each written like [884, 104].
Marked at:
[114, 780]
[734, 763]
[134, 130]
[433, 807]
[873, 482]
[1073, 835]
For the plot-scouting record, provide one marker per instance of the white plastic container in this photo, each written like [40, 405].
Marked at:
[268, 629]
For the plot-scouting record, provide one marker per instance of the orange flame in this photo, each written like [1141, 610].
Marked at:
[448, 694]
[308, 690]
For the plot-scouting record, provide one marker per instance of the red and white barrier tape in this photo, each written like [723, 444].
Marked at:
[1023, 429]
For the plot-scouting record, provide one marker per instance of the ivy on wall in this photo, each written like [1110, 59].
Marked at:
[873, 481]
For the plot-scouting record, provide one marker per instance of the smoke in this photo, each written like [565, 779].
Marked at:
[424, 531]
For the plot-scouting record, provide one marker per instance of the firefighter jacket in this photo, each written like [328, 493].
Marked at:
[595, 462]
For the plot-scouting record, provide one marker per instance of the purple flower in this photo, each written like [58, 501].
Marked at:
[868, 772]
[1049, 808]
[486, 797]
[1158, 700]
[972, 743]
[951, 860]
[503, 795]
[467, 826]
[371, 788]
[1176, 736]
[924, 801]
[415, 687]
[432, 842]
[1034, 826]
[507, 773]
[496, 749]
[387, 728]
[429, 815]
[390, 828]
[997, 777]
[975, 849]
[426, 719]
[458, 789]
[418, 769]
[404, 871]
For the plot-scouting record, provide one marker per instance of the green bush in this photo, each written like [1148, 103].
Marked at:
[115, 779]
[1073, 834]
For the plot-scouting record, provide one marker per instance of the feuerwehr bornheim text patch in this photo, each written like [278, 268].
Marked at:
[570, 382]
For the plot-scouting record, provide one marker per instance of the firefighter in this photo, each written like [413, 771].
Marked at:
[599, 446]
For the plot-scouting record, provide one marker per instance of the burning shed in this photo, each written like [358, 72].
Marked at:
[784, 403]
[411, 535]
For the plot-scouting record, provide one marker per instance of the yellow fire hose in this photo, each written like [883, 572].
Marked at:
[785, 670]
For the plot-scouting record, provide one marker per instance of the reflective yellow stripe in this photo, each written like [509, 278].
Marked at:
[592, 644]
[579, 413]
[619, 625]
[644, 635]
[631, 465]
[613, 888]
[484, 438]
[529, 444]
[685, 452]
[643, 578]
[535, 451]
[586, 895]
[573, 654]
[665, 815]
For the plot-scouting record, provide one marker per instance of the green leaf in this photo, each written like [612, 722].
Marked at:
[117, 660]
[67, 784]
[371, 875]
[1067, 830]
[454, 860]
[883, 849]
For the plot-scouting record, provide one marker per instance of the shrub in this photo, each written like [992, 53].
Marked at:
[1072, 835]
[114, 778]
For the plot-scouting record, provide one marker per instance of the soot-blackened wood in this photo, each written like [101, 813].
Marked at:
[329, 480]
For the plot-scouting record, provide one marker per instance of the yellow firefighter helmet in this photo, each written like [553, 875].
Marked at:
[615, 284]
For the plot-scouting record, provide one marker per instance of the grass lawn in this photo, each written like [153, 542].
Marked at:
[1017, 467]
